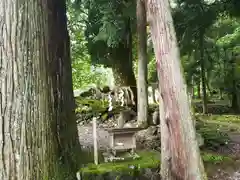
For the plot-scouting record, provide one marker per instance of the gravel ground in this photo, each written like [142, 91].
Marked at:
[86, 138]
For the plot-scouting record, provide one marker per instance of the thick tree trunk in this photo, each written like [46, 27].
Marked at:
[123, 67]
[221, 94]
[209, 89]
[142, 88]
[193, 89]
[234, 93]
[37, 124]
[203, 75]
[234, 104]
[181, 158]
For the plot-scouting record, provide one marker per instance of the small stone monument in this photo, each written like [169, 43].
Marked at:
[121, 140]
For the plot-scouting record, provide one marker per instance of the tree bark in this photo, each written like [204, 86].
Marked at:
[234, 93]
[142, 89]
[123, 67]
[193, 88]
[203, 75]
[181, 158]
[38, 131]
[221, 94]
[199, 89]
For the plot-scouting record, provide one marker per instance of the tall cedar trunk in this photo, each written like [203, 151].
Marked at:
[181, 158]
[199, 89]
[221, 93]
[203, 76]
[123, 63]
[142, 90]
[222, 67]
[37, 125]
[234, 106]
[193, 88]
[208, 88]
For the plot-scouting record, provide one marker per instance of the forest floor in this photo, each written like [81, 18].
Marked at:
[218, 171]
[215, 128]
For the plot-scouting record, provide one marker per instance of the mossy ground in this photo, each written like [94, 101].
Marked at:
[214, 137]
[215, 163]
[150, 159]
[215, 129]
[147, 159]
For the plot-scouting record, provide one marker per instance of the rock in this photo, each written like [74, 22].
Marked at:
[150, 131]
[124, 117]
[130, 125]
[149, 138]
[235, 176]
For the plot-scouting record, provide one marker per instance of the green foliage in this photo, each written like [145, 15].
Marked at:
[232, 7]
[83, 72]
[191, 19]
[88, 108]
[112, 16]
[107, 26]
[90, 105]
[230, 40]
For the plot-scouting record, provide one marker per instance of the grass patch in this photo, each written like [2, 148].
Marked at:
[213, 136]
[222, 118]
[147, 160]
[150, 160]
[214, 162]
[224, 123]
[215, 158]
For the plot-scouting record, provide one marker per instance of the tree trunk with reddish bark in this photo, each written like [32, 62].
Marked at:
[181, 158]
